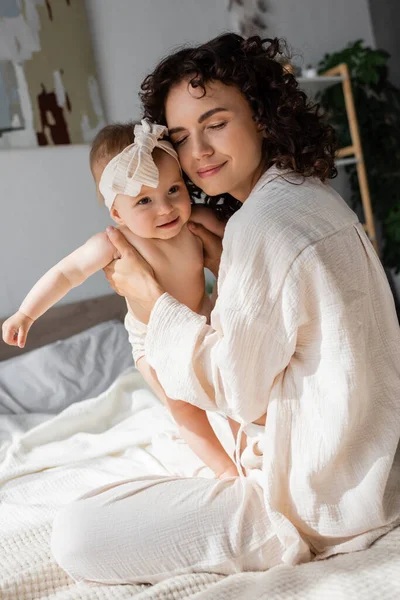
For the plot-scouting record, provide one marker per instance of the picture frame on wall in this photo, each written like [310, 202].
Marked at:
[49, 93]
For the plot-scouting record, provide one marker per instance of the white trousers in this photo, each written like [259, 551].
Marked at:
[146, 529]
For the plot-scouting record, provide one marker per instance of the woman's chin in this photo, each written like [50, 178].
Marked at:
[212, 188]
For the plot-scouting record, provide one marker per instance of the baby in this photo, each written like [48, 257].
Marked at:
[138, 176]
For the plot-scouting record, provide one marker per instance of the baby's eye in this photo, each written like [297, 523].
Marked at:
[144, 201]
[174, 189]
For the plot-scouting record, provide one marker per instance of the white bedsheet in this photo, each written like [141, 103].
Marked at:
[47, 461]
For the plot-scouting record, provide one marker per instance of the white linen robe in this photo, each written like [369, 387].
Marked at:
[304, 328]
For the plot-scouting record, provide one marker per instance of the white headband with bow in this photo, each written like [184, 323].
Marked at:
[135, 166]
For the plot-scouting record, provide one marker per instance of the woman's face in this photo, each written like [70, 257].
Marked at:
[218, 142]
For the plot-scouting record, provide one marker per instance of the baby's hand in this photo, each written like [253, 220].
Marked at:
[15, 329]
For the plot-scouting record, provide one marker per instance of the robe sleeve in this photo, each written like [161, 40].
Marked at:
[227, 366]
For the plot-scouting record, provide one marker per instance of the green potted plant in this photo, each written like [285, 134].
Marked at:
[377, 103]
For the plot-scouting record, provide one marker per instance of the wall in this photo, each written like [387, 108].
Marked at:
[48, 202]
[130, 37]
[47, 196]
[386, 21]
[314, 27]
[49, 208]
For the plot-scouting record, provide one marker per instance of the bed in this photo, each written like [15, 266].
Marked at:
[73, 412]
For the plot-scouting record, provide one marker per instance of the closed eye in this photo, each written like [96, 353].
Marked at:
[180, 142]
[218, 125]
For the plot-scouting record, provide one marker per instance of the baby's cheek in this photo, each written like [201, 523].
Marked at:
[141, 225]
[185, 211]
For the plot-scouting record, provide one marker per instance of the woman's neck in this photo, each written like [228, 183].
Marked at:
[242, 192]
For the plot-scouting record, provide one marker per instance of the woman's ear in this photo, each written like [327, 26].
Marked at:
[262, 129]
[114, 214]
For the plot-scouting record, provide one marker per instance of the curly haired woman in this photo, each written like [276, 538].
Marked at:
[303, 348]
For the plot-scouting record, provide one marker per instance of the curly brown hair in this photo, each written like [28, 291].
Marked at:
[297, 138]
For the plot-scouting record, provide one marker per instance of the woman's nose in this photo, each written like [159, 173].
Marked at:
[201, 148]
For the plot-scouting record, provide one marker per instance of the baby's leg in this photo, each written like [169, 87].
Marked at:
[261, 421]
[151, 379]
[193, 425]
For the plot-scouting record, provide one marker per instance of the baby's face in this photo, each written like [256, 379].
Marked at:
[157, 212]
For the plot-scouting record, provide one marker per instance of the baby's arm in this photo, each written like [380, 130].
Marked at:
[70, 272]
[194, 427]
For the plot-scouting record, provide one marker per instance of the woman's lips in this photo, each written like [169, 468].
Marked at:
[209, 172]
[170, 224]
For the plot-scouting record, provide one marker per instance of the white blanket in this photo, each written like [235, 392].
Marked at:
[46, 462]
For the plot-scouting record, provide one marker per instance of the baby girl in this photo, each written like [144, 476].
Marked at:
[138, 176]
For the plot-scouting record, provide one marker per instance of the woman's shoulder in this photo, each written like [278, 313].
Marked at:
[291, 212]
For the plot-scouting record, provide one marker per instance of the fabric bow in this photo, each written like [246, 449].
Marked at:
[134, 167]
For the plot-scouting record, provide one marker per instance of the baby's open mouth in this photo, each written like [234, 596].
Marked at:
[170, 224]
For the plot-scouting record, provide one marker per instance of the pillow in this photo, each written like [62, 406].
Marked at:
[49, 379]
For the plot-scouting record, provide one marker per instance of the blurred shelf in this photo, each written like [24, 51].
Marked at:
[331, 79]
[352, 154]
[341, 162]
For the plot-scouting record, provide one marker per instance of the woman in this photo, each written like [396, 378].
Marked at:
[303, 330]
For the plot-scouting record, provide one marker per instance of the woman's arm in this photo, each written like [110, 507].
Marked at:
[205, 216]
[70, 272]
[211, 240]
[205, 224]
[230, 365]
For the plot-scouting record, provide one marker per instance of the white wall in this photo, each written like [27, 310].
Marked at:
[48, 208]
[47, 196]
[130, 37]
[314, 27]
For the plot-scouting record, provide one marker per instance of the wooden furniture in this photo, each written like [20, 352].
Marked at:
[61, 322]
[352, 154]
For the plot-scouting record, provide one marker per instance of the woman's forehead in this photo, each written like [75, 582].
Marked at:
[185, 102]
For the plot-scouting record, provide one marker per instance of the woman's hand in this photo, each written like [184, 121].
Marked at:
[132, 276]
[212, 245]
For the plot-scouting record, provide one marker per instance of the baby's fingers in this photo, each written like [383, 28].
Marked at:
[22, 335]
[10, 335]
